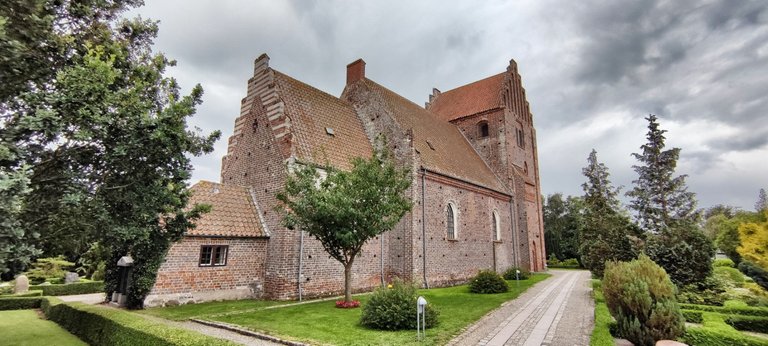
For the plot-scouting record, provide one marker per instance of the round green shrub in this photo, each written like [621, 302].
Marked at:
[488, 281]
[723, 262]
[641, 297]
[394, 308]
[509, 274]
[731, 275]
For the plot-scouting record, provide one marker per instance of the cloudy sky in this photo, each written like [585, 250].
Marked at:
[592, 70]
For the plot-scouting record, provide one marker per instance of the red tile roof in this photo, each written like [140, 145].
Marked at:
[469, 99]
[441, 145]
[313, 114]
[233, 211]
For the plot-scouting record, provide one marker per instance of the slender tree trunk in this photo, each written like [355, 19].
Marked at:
[348, 282]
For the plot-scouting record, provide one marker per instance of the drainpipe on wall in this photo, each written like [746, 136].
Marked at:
[424, 227]
[515, 246]
[301, 258]
[381, 258]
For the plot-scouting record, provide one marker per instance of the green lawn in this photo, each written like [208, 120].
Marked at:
[25, 328]
[322, 322]
[185, 312]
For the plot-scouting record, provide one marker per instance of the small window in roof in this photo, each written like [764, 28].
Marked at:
[483, 128]
[430, 145]
[330, 131]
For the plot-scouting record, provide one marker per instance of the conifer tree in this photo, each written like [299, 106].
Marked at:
[659, 198]
[607, 232]
[762, 201]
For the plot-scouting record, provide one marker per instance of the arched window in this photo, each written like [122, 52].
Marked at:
[496, 226]
[483, 129]
[451, 221]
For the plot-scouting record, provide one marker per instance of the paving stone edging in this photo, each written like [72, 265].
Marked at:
[243, 331]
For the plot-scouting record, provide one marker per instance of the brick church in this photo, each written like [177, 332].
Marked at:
[475, 189]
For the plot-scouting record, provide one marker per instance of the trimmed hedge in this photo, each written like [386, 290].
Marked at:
[99, 325]
[717, 337]
[70, 289]
[748, 323]
[692, 316]
[748, 311]
[20, 303]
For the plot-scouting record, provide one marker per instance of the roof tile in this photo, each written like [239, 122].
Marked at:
[233, 211]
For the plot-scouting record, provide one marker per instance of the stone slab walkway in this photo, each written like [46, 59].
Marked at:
[92, 298]
[558, 311]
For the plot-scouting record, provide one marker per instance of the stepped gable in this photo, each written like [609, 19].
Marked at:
[441, 145]
[477, 97]
[325, 129]
[233, 211]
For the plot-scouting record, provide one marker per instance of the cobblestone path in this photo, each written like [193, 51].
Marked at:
[557, 312]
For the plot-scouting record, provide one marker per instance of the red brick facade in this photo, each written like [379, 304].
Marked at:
[473, 147]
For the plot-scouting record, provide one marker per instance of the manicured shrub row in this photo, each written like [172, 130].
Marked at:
[19, 303]
[69, 289]
[748, 323]
[692, 316]
[105, 326]
[723, 262]
[488, 281]
[748, 311]
[718, 337]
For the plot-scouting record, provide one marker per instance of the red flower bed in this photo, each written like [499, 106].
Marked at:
[347, 305]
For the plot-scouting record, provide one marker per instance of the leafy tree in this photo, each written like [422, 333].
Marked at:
[754, 241]
[103, 131]
[16, 249]
[607, 232]
[666, 210]
[727, 238]
[562, 225]
[659, 198]
[762, 201]
[346, 209]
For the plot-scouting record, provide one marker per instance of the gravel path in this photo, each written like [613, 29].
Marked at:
[92, 299]
[558, 311]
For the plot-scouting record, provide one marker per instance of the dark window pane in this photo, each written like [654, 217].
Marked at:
[451, 229]
[220, 256]
[205, 255]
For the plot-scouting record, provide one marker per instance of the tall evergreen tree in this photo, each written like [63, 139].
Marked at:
[762, 201]
[607, 233]
[667, 211]
[659, 198]
[562, 225]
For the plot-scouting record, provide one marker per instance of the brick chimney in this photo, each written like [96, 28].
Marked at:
[355, 71]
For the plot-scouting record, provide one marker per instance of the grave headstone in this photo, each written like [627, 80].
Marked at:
[22, 284]
[71, 277]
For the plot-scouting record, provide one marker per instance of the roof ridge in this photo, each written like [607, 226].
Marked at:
[468, 84]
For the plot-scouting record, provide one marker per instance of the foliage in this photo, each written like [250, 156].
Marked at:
[723, 262]
[728, 239]
[601, 334]
[48, 268]
[660, 199]
[393, 308]
[607, 232]
[346, 209]
[715, 332]
[758, 274]
[89, 322]
[511, 274]
[692, 316]
[488, 281]
[729, 310]
[686, 254]
[754, 241]
[762, 201]
[748, 323]
[710, 291]
[70, 289]
[16, 248]
[562, 225]
[103, 131]
[92, 260]
[18, 303]
[641, 297]
[734, 277]
[32, 293]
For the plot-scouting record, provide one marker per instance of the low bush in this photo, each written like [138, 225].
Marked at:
[70, 289]
[98, 325]
[715, 332]
[748, 323]
[759, 275]
[732, 275]
[710, 291]
[19, 303]
[748, 311]
[692, 316]
[641, 297]
[509, 274]
[723, 262]
[34, 293]
[488, 281]
[394, 308]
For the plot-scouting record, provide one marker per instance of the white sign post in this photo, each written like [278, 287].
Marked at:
[421, 320]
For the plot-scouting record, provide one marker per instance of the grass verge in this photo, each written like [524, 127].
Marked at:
[321, 322]
[25, 328]
[601, 335]
[187, 311]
